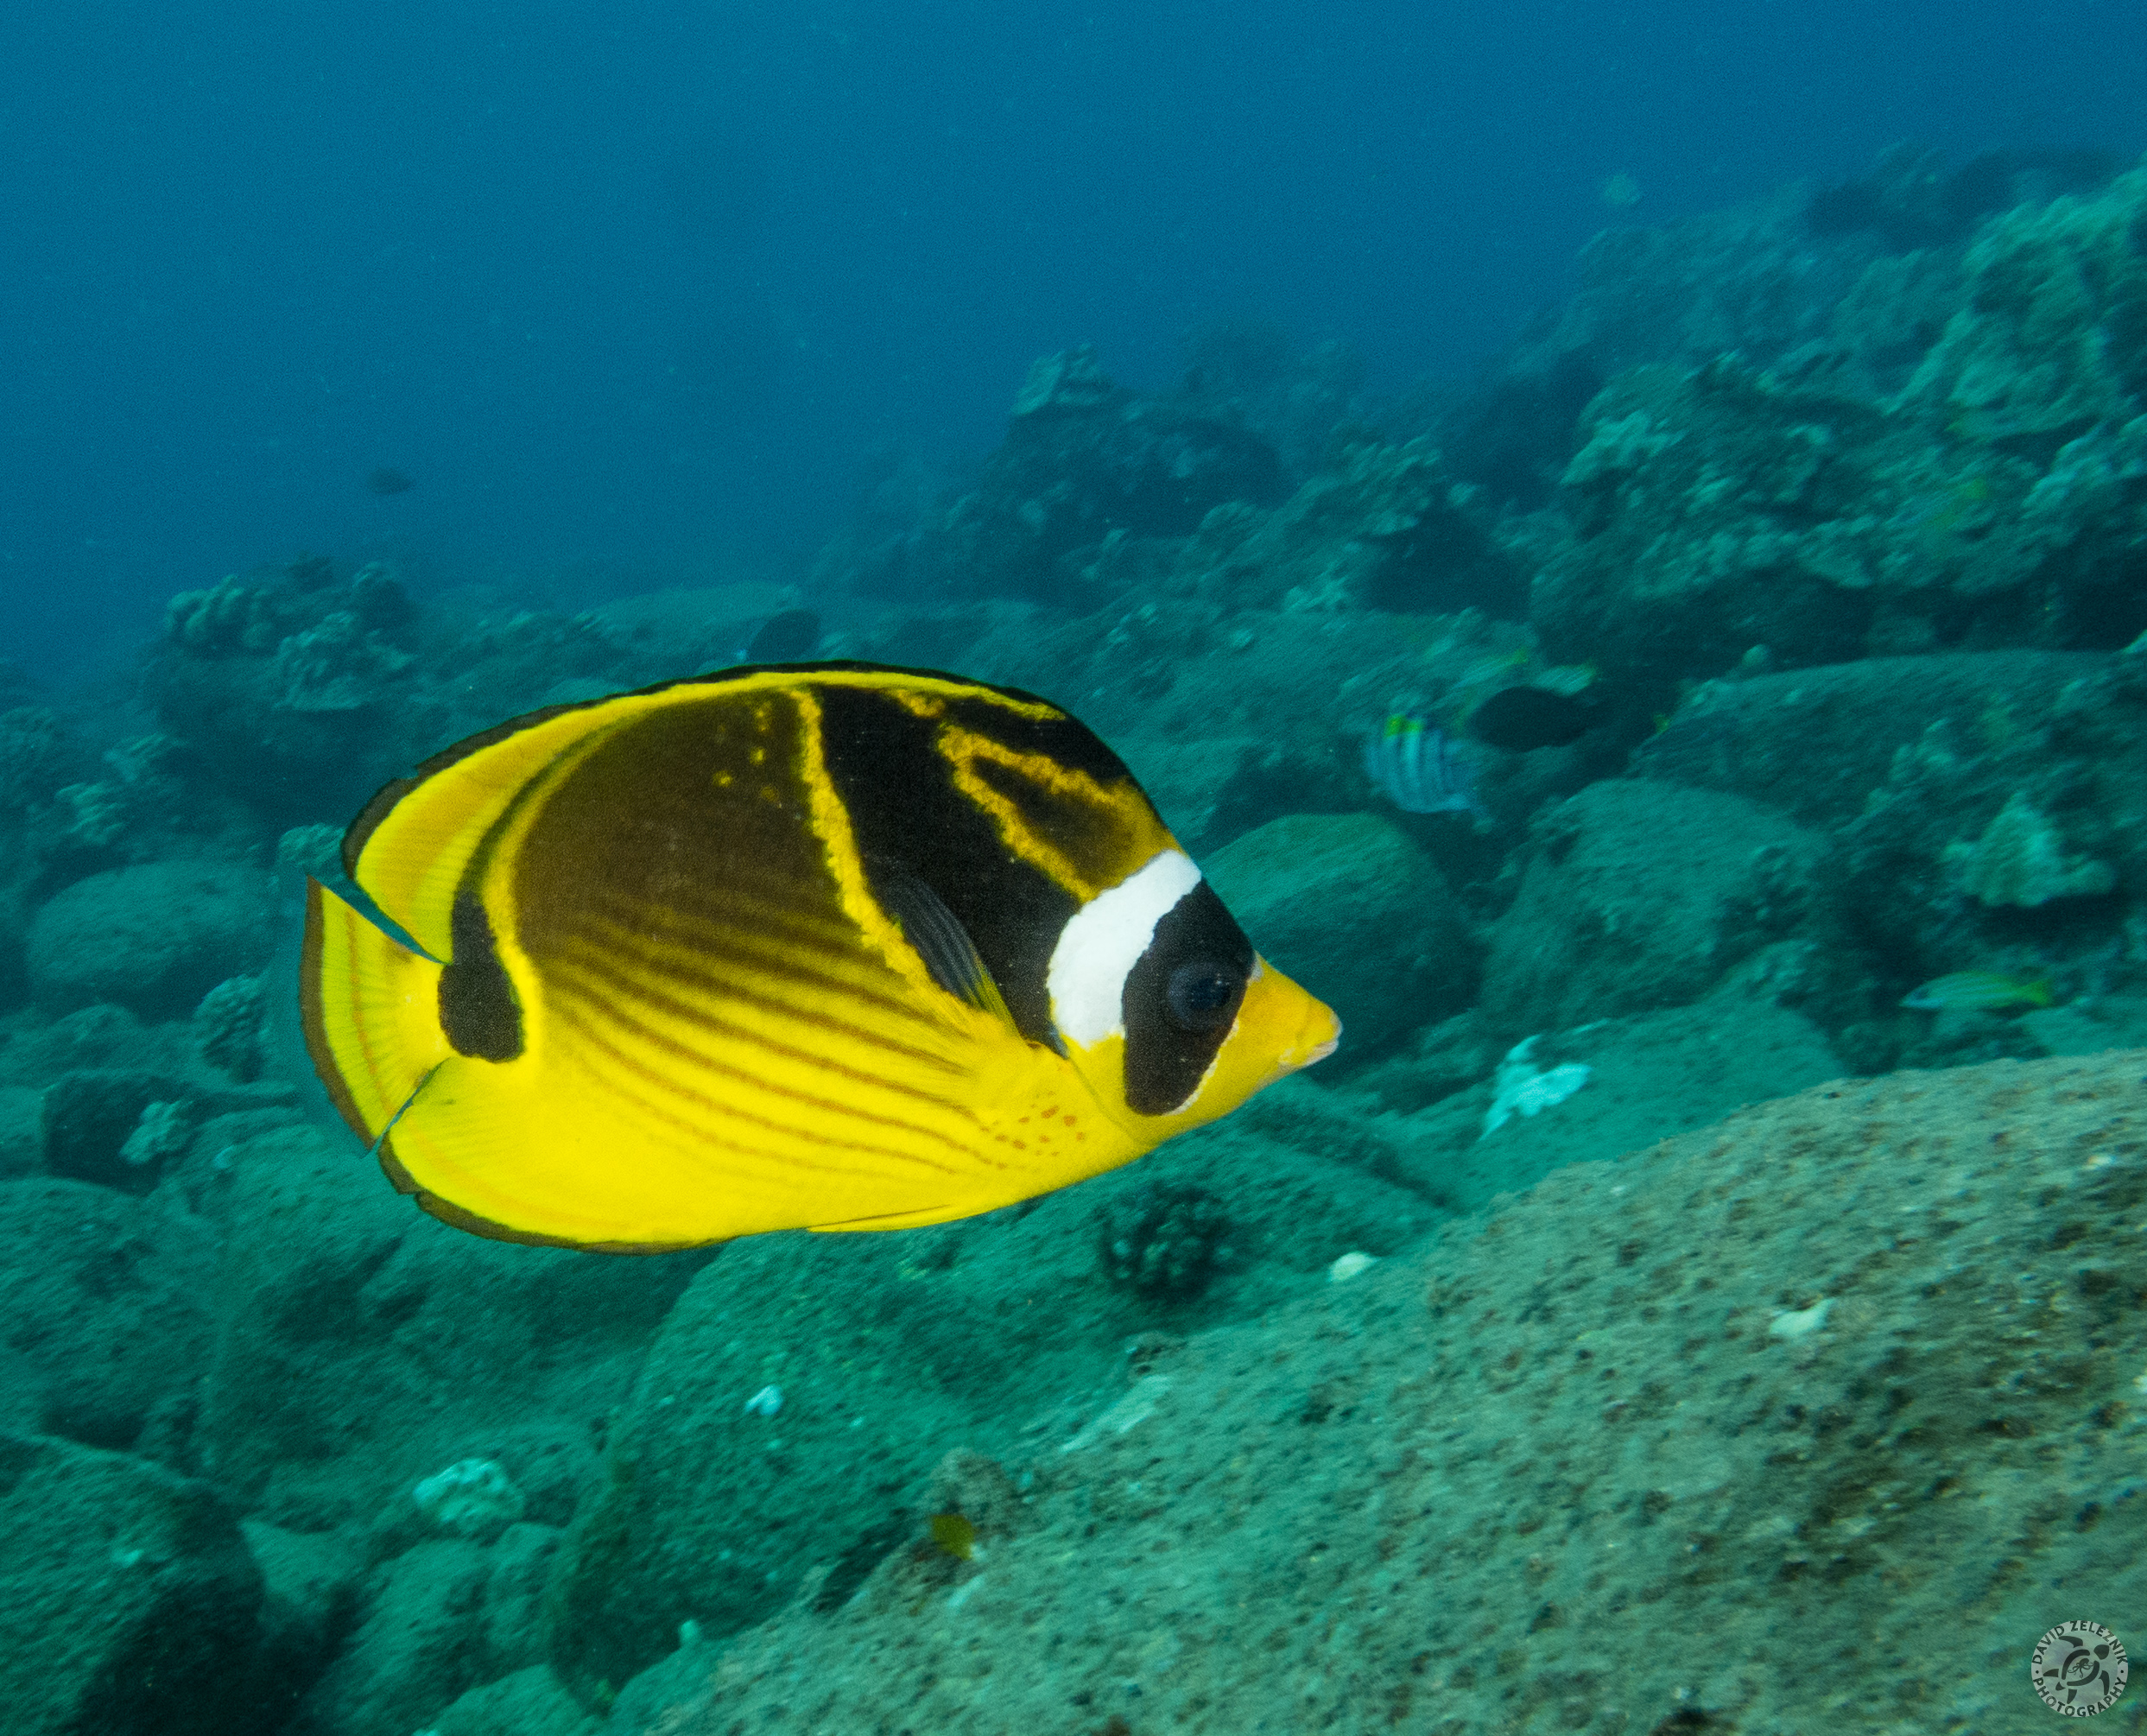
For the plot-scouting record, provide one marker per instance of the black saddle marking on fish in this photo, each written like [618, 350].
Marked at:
[478, 1011]
[904, 805]
[1181, 999]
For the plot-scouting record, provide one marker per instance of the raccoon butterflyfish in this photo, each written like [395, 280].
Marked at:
[827, 945]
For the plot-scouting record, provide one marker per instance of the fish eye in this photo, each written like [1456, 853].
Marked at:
[1204, 995]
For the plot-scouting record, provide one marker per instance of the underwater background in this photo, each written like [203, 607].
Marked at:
[1620, 542]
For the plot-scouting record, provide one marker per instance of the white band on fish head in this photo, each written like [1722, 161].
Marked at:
[1104, 941]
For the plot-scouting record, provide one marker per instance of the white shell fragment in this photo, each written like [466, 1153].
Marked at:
[1800, 1323]
[1522, 1088]
[1136, 1407]
[765, 1402]
[1347, 1266]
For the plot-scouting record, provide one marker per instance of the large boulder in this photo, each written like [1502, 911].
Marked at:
[128, 1598]
[154, 939]
[361, 1346]
[1349, 905]
[104, 1302]
[1640, 895]
[782, 1436]
[1839, 1383]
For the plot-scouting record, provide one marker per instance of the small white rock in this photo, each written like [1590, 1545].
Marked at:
[765, 1402]
[472, 1497]
[1802, 1322]
[1348, 1265]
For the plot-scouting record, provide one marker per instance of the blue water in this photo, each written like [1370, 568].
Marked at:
[633, 293]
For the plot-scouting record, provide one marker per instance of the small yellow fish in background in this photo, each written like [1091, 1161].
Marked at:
[955, 1535]
[1981, 992]
[831, 945]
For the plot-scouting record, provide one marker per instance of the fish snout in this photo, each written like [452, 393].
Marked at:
[1314, 1032]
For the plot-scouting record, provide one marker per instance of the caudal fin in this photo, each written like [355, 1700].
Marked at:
[371, 1009]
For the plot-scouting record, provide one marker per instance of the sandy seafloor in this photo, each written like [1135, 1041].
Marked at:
[1645, 1322]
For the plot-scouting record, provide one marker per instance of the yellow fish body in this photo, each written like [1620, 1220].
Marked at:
[830, 946]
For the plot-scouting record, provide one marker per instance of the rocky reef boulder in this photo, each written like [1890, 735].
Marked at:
[1350, 906]
[1083, 459]
[360, 1345]
[131, 1600]
[154, 939]
[1380, 527]
[104, 1299]
[1639, 895]
[1842, 1378]
[786, 1420]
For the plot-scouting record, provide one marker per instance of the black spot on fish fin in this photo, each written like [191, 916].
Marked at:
[479, 1011]
[937, 933]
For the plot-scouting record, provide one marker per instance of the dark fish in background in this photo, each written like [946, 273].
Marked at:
[839, 946]
[1521, 719]
[387, 479]
[787, 638]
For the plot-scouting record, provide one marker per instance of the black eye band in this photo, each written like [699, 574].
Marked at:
[1180, 999]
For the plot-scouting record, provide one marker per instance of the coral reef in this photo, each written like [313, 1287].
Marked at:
[1162, 1240]
[2021, 860]
[232, 1026]
[1083, 459]
[2052, 340]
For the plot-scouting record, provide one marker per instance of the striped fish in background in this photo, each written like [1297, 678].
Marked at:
[1421, 768]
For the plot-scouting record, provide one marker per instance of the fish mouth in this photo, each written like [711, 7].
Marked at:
[1320, 1052]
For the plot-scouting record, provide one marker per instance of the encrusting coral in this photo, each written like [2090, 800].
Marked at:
[2021, 859]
